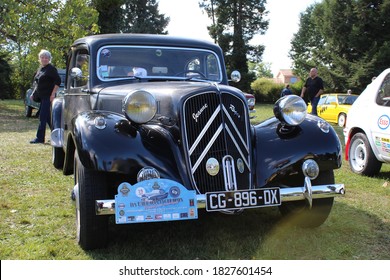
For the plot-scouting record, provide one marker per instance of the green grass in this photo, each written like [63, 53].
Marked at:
[38, 217]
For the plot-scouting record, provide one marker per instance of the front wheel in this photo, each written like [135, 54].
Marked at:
[362, 159]
[315, 216]
[92, 230]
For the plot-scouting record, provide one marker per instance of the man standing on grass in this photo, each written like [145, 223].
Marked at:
[314, 87]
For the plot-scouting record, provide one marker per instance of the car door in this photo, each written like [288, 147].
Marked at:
[321, 105]
[328, 108]
[379, 122]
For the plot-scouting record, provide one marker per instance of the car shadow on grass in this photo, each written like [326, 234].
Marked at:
[253, 234]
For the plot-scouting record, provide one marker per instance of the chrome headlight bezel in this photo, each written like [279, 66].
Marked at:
[291, 110]
[139, 106]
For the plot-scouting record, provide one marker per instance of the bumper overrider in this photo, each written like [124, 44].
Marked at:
[162, 200]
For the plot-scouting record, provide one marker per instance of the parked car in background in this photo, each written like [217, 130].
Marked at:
[30, 105]
[334, 107]
[152, 132]
[367, 132]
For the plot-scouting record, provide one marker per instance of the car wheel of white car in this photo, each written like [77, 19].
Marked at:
[341, 120]
[362, 159]
[92, 230]
[303, 216]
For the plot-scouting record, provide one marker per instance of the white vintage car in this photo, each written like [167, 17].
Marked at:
[367, 132]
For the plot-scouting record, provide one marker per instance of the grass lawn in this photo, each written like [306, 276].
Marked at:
[38, 217]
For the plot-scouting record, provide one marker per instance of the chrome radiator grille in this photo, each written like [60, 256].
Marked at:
[216, 137]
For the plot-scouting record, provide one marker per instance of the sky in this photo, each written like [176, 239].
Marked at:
[186, 19]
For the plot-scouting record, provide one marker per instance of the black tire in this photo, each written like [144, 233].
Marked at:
[92, 230]
[57, 157]
[362, 159]
[28, 111]
[299, 212]
[342, 119]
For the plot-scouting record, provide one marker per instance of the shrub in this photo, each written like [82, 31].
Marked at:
[267, 91]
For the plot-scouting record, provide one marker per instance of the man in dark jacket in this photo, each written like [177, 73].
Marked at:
[313, 87]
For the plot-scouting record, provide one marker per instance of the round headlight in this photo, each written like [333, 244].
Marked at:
[290, 109]
[139, 106]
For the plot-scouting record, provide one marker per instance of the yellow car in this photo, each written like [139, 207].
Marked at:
[334, 107]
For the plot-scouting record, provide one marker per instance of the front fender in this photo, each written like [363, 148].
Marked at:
[125, 150]
[280, 152]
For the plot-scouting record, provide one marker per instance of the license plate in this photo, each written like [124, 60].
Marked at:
[230, 200]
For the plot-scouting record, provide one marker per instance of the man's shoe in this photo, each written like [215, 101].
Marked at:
[36, 141]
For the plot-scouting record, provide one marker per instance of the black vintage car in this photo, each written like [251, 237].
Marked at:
[153, 132]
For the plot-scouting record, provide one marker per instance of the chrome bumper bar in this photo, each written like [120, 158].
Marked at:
[307, 192]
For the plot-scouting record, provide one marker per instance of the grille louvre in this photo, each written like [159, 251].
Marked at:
[215, 125]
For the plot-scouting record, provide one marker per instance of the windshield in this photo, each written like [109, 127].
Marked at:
[130, 62]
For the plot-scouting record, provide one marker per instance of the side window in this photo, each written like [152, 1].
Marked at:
[383, 95]
[331, 99]
[322, 100]
[82, 62]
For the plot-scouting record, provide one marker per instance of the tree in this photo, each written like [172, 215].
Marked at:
[235, 22]
[261, 69]
[142, 16]
[110, 15]
[26, 26]
[347, 40]
[5, 78]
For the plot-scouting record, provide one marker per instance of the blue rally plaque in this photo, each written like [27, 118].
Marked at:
[155, 200]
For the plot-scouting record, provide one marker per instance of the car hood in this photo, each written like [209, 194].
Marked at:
[168, 94]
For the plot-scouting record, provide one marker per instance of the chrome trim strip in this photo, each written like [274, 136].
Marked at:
[229, 173]
[204, 130]
[107, 207]
[238, 148]
[207, 148]
[235, 128]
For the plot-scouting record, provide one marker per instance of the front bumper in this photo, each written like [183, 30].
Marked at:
[307, 192]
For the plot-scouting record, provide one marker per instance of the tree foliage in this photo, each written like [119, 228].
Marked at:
[235, 22]
[347, 40]
[142, 16]
[27, 26]
[110, 15]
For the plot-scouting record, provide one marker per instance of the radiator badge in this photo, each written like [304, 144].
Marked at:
[233, 109]
[212, 166]
[197, 114]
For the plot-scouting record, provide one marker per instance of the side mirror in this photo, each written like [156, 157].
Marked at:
[235, 76]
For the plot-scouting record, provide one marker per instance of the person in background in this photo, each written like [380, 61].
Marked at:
[313, 88]
[286, 91]
[349, 92]
[48, 81]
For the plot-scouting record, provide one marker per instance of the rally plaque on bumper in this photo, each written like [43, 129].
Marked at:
[232, 200]
[156, 200]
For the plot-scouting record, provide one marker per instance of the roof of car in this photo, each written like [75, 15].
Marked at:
[148, 39]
